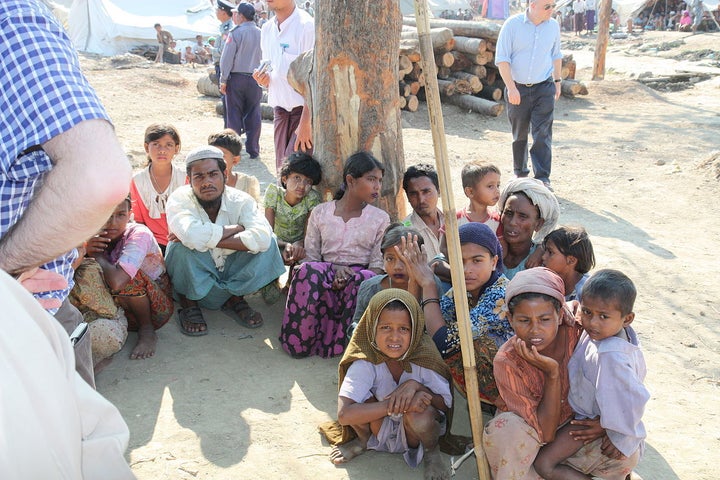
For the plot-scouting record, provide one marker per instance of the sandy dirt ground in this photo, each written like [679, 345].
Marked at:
[633, 165]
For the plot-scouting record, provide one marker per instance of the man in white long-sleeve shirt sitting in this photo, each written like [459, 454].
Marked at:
[221, 247]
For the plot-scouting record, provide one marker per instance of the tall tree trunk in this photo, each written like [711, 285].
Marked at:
[355, 100]
[602, 39]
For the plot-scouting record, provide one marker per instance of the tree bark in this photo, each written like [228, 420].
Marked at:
[355, 99]
[603, 36]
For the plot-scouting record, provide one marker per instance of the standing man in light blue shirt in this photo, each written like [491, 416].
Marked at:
[529, 60]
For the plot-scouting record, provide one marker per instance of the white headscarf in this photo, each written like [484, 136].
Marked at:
[540, 196]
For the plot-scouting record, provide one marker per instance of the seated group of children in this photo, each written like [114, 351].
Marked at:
[574, 399]
[568, 387]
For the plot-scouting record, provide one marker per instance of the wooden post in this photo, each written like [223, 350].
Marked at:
[354, 100]
[603, 37]
[437, 127]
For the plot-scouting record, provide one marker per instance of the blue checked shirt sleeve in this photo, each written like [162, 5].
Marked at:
[44, 94]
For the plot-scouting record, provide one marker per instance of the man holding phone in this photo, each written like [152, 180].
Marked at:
[288, 34]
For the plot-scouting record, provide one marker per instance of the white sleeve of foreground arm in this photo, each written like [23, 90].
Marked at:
[62, 426]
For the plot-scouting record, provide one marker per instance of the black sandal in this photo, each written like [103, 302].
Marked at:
[194, 316]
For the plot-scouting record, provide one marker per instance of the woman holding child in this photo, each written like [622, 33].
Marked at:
[342, 248]
[538, 383]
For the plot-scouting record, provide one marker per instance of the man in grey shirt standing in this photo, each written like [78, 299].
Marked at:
[240, 56]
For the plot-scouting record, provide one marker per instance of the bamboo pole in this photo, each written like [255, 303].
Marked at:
[437, 128]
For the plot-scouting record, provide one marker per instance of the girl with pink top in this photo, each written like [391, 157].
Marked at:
[342, 247]
[151, 187]
[134, 270]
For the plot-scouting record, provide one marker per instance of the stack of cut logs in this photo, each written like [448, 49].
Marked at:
[467, 75]
[465, 59]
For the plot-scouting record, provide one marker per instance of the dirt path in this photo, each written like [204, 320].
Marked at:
[628, 166]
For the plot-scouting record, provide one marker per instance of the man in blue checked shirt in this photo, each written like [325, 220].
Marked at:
[62, 170]
[529, 60]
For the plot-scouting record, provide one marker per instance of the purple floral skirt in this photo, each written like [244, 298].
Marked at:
[316, 316]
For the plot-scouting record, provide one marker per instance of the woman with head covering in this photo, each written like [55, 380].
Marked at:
[531, 371]
[485, 284]
[394, 387]
[528, 212]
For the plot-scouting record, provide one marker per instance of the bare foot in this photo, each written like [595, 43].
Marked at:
[434, 469]
[145, 346]
[346, 452]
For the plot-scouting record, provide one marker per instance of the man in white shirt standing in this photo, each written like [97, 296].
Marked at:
[221, 247]
[288, 34]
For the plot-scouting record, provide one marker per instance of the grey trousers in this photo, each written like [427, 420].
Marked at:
[70, 317]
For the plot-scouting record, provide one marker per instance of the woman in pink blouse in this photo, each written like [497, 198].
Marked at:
[342, 247]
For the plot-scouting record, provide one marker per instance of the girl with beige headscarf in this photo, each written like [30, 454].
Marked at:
[394, 386]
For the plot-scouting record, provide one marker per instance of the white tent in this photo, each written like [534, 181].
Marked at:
[112, 27]
[407, 7]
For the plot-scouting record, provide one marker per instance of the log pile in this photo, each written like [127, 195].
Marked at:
[465, 60]
[464, 57]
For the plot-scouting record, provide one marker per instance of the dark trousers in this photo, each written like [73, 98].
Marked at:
[242, 107]
[536, 109]
[285, 123]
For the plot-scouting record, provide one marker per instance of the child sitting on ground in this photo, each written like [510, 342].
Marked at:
[606, 374]
[342, 247]
[151, 187]
[568, 252]
[134, 271]
[481, 184]
[287, 207]
[394, 387]
[230, 143]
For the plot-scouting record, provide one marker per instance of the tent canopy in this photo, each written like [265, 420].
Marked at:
[112, 27]
[407, 7]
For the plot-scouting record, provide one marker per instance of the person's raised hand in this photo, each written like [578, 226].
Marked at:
[415, 260]
[535, 358]
[97, 244]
